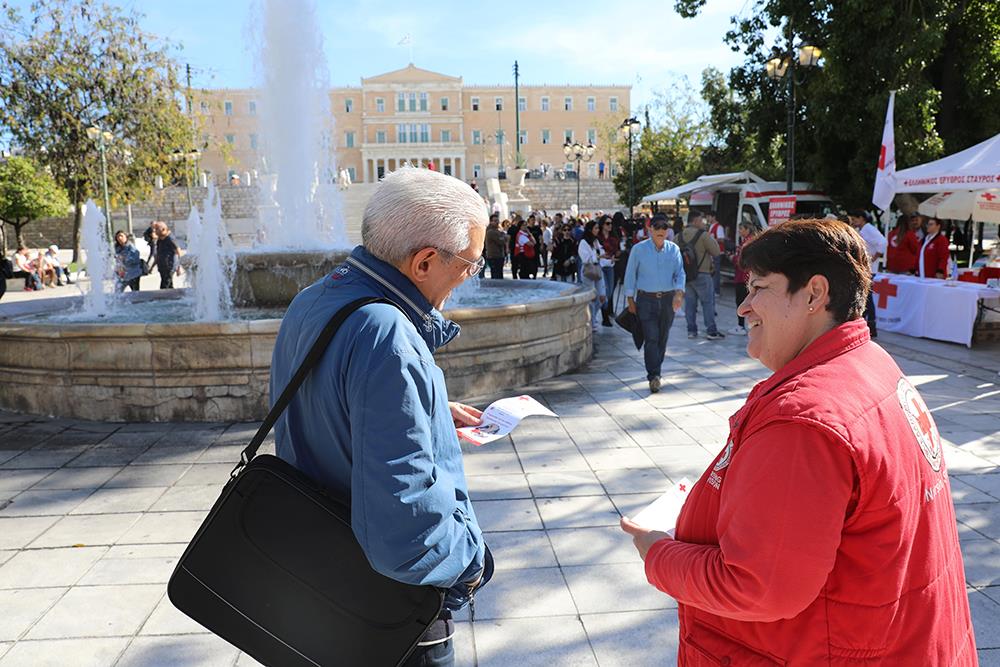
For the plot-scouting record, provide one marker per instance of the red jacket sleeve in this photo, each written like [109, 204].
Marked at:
[942, 257]
[784, 500]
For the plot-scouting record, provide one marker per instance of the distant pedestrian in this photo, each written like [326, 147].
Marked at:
[564, 259]
[168, 255]
[25, 268]
[876, 245]
[747, 231]
[934, 253]
[654, 290]
[128, 264]
[699, 285]
[526, 253]
[546, 246]
[589, 251]
[610, 252]
[52, 257]
[902, 247]
[718, 232]
[600, 170]
[496, 247]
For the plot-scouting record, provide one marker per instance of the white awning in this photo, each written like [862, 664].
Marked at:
[975, 168]
[704, 183]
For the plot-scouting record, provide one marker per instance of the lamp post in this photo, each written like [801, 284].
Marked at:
[784, 66]
[578, 152]
[188, 157]
[630, 127]
[102, 137]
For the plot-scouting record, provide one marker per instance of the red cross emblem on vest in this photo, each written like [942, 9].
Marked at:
[884, 289]
[921, 423]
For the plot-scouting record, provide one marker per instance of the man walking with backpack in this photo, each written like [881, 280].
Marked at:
[698, 250]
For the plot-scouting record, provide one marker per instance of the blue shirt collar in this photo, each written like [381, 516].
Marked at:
[390, 281]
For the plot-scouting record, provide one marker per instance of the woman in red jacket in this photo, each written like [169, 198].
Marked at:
[903, 246]
[824, 532]
[934, 253]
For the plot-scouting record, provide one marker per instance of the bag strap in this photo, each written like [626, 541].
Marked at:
[311, 359]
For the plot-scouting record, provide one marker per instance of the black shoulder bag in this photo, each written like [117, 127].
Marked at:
[276, 571]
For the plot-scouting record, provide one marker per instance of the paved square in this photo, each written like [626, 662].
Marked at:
[93, 517]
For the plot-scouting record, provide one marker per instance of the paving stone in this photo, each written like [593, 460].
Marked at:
[22, 479]
[611, 587]
[16, 533]
[41, 568]
[618, 459]
[639, 480]
[986, 620]
[497, 515]
[517, 550]
[160, 454]
[86, 530]
[982, 562]
[85, 612]
[45, 503]
[987, 482]
[577, 511]
[554, 461]
[91, 652]
[44, 458]
[527, 592]
[983, 518]
[105, 456]
[162, 527]
[120, 500]
[558, 641]
[179, 651]
[206, 473]
[587, 546]
[631, 638]
[134, 564]
[166, 619]
[223, 453]
[963, 493]
[572, 483]
[179, 498]
[77, 478]
[682, 461]
[498, 487]
[488, 463]
[8, 454]
[23, 607]
[148, 475]
[629, 504]
[72, 438]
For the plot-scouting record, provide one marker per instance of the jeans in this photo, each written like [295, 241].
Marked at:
[656, 315]
[166, 280]
[595, 305]
[717, 274]
[609, 287]
[700, 289]
[441, 654]
[496, 267]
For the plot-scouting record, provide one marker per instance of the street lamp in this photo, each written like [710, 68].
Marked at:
[188, 157]
[630, 127]
[783, 67]
[575, 151]
[103, 138]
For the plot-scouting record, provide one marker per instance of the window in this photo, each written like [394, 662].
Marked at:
[475, 103]
[522, 137]
[569, 166]
[477, 169]
[204, 107]
[379, 136]
[252, 107]
[568, 136]
[546, 137]
[613, 104]
[413, 101]
[228, 107]
[423, 101]
[231, 139]
[522, 104]
[401, 134]
[353, 172]
[348, 105]
[445, 136]
[380, 104]
[591, 104]
[348, 139]
[425, 133]
[414, 131]
[444, 104]
[400, 101]
[592, 136]
[253, 141]
[567, 103]
[477, 137]
[545, 104]
[498, 102]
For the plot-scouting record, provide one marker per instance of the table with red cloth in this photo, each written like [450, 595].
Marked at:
[931, 308]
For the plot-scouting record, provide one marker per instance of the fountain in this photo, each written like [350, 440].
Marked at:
[201, 354]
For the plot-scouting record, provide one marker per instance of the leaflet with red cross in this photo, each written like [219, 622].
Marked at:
[662, 513]
[502, 417]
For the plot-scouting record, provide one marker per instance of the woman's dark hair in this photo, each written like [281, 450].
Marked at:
[801, 249]
[588, 232]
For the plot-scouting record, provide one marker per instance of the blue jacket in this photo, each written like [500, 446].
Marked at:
[129, 262]
[372, 423]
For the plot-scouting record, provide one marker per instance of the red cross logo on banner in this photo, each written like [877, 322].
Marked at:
[884, 289]
[920, 421]
[989, 196]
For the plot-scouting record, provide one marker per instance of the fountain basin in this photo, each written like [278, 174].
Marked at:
[219, 371]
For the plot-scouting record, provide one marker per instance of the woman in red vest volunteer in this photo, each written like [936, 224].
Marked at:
[934, 253]
[824, 532]
[902, 248]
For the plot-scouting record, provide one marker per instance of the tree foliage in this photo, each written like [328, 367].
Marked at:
[66, 65]
[941, 56]
[27, 193]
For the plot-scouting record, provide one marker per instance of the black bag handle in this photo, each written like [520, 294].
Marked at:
[311, 359]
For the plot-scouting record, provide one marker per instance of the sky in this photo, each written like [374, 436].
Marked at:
[642, 43]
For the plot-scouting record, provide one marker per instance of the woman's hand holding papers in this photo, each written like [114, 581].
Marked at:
[643, 538]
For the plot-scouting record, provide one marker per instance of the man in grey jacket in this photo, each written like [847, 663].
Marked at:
[699, 287]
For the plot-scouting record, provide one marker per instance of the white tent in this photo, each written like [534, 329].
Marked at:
[702, 183]
[975, 168]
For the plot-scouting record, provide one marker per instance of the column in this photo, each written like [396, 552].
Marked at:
[365, 170]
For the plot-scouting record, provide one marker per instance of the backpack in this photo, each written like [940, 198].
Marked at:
[689, 255]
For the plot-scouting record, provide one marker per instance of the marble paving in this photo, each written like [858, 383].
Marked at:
[93, 516]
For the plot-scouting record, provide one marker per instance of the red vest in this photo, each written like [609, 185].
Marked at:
[877, 579]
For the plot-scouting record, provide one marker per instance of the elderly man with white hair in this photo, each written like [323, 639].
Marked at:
[372, 421]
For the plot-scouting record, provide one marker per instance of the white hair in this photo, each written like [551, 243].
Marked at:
[416, 208]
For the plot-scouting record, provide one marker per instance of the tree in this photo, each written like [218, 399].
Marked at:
[26, 194]
[941, 56]
[72, 64]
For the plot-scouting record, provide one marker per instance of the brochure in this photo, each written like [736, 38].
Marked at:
[662, 513]
[502, 417]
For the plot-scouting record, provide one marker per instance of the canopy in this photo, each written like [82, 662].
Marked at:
[981, 205]
[976, 168]
[704, 183]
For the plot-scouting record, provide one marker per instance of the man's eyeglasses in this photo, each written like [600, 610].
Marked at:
[474, 267]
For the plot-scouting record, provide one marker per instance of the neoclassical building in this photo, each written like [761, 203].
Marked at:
[421, 117]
